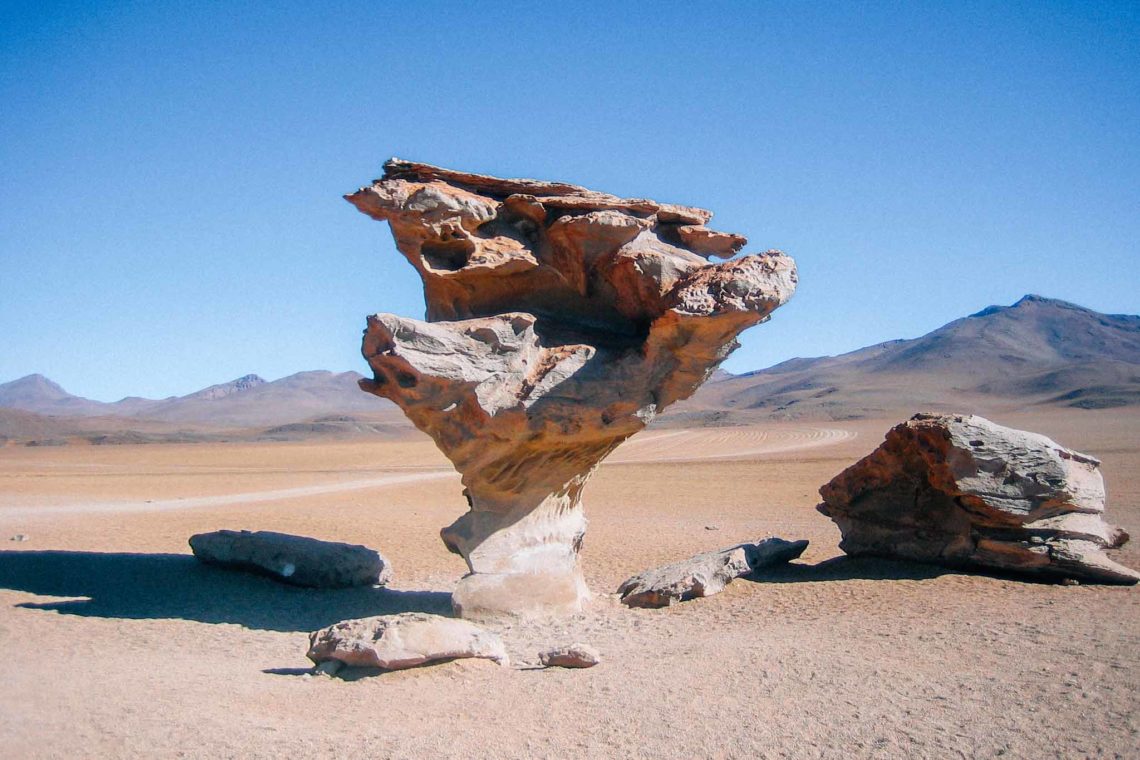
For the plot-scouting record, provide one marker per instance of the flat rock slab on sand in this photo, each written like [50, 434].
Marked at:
[296, 560]
[394, 642]
[706, 574]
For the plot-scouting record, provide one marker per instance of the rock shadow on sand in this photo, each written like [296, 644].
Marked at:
[866, 568]
[176, 586]
[848, 569]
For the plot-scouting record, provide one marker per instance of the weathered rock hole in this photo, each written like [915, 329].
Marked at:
[519, 228]
[405, 380]
[447, 255]
[616, 334]
[667, 231]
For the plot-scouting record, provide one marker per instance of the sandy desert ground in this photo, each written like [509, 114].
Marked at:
[121, 645]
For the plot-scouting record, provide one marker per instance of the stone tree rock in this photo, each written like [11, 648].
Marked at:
[296, 560]
[560, 321]
[706, 574]
[961, 491]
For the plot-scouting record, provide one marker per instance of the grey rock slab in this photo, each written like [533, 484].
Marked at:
[296, 560]
[706, 574]
[394, 642]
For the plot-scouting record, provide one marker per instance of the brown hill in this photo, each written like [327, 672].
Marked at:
[18, 425]
[1040, 351]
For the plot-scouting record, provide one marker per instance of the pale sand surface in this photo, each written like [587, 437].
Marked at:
[119, 644]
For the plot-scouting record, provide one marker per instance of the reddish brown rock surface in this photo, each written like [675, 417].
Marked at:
[560, 321]
[959, 490]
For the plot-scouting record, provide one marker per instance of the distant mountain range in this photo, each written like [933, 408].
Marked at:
[300, 405]
[1038, 352]
[245, 402]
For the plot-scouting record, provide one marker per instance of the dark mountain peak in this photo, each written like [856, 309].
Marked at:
[248, 381]
[243, 383]
[1031, 301]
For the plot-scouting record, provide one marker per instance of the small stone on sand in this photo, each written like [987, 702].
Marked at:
[572, 656]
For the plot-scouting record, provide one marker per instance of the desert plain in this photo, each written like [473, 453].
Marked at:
[121, 644]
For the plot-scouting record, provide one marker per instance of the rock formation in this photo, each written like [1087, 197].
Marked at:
[961, 491]
[393, 642]
[570, 656]
[295, 560]
[706, 574]
[560, 322]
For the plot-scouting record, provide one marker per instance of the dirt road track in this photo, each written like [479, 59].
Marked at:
[669, 446]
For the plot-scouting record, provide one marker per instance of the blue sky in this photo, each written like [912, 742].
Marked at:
[171, 173]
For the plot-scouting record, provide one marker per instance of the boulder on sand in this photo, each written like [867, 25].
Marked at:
[393, 642]
[295, 560]
[706, 574]
[960, 491]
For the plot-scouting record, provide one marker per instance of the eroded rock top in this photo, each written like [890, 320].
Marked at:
[592, 267]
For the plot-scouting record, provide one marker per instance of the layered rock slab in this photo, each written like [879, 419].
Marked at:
[961, 491]
[395, 642]
[560, 321]
[706, 574]
[296, 560]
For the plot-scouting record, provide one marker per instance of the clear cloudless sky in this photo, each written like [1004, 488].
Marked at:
[171, 173]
